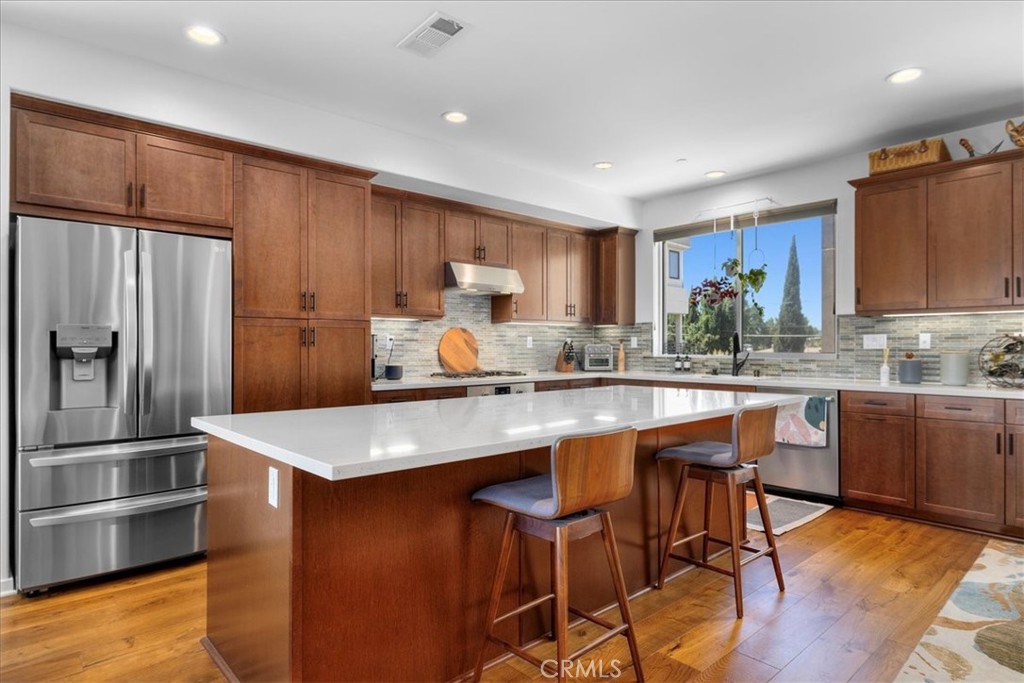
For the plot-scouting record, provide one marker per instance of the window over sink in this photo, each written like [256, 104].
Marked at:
[794, 310]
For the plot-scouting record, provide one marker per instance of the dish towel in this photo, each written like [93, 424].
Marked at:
[803, 423]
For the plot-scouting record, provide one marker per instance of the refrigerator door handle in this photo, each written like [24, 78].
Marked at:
[132, 451]
[128, 350]
[122, 508]
[146, 332]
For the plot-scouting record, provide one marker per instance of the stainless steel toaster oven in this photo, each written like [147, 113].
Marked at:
[597, 357]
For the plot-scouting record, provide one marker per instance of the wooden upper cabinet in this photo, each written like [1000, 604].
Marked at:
[495, 240]
[529, 257]
[970, 237]
[476, 238]
[178, 181]
[615, 279]
[891, 266]
[71, 164]
[581, 277]
[569, 273]
[460, 237]
[1018, 234]
[66, 163]
[422, 260]
[385, 256]
[270, 240]
[339, 249]
[559, 304]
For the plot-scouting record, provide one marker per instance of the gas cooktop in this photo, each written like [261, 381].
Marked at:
[478, 373]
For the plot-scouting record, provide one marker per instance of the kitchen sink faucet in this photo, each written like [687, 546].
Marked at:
[737, 364]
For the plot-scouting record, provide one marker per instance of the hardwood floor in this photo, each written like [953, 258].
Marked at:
[860, 591]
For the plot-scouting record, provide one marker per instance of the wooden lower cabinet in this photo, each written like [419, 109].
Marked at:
[559, 384]
[878, 459]
[286, 364]
[406, 395]
[961, 469]
[1015, 476]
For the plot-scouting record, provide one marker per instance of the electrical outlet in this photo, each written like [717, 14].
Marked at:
[875, 341]
[389, 342]
[529, 342]
[273, 496]
[924, 340]
[633, 343]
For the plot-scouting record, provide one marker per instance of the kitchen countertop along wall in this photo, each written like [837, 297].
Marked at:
[683, 379]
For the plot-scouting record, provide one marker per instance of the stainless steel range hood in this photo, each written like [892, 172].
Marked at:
[486, 280]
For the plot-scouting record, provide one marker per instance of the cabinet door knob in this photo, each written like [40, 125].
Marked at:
[131, 194]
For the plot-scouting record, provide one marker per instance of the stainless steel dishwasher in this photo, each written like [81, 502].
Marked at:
[812, 471]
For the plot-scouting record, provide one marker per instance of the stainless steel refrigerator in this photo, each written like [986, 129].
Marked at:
[121, 336]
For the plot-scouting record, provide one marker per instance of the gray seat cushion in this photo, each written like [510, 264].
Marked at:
[534, 496]
[710, 453]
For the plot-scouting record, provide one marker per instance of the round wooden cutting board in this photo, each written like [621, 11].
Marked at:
[458, 350]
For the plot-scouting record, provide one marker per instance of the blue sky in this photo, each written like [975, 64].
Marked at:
[704, 259]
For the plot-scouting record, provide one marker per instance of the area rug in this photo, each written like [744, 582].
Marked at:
[979, 634]
[786, 514]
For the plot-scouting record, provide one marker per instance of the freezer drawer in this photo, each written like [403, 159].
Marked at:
[71, 476]
[64, 544]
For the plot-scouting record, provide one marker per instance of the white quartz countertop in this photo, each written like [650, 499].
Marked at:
[973, 390]
[344, 443]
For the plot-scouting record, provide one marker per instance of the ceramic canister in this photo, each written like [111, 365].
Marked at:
[910, 371]
[953, 368]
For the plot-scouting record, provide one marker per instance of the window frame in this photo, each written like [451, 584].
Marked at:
[826, 210]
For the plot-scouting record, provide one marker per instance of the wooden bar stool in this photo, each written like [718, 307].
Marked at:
[713, 462]
[586, 471]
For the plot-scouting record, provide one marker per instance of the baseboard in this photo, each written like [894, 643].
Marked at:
[7, 587]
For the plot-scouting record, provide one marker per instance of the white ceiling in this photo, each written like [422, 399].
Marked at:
[552, 87]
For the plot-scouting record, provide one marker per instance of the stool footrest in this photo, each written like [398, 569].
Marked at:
[517, 651]
[694, 537]
[522, 608]
[599, 641]
[591, 617]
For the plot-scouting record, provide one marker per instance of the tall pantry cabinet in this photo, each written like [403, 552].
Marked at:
[302, 296]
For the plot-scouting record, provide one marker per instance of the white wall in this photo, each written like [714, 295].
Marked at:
[814, 182]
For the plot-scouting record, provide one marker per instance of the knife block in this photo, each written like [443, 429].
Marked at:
[561, 365]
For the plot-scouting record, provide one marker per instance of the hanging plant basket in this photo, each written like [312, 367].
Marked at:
[712, 292]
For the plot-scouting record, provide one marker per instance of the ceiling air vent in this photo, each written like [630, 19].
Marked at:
[430, 36]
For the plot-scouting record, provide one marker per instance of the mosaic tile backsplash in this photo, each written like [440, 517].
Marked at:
[504, 346]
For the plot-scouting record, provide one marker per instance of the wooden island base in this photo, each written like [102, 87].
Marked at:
[386, 577]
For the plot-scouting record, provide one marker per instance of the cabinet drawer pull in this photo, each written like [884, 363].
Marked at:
[1009, 445]
[312, 301]
[405, 299]
[1018, 286]
[963, 409]
[142, 196]
[999, 443]
[483, 252]
[312, 337]
[871, 402]
[302, 300]
[515, 306]
[858, 296]
[302, 337]
[1006, 287]
[870, 418]
[131, 194]
[398, 299]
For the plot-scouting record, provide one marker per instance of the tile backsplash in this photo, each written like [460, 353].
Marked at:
[504, 346]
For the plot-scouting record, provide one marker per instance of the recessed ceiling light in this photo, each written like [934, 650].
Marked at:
[603, 165]
[714, 174]
[905, 75]
[204, 35]
[454, 117]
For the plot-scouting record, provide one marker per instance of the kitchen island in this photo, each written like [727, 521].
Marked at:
[343, 544]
